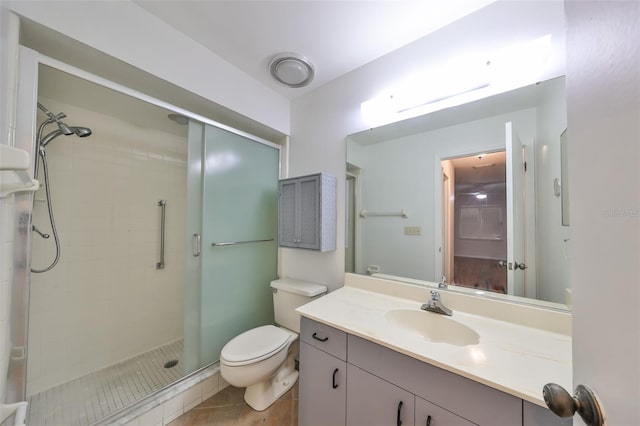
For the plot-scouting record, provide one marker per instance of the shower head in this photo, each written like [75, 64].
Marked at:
[81, 132]
[78, 131]
[64, 128]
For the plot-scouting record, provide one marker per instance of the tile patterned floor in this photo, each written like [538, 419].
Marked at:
[85, 400]
[227, 408]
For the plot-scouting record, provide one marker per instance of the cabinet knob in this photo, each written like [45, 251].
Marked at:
[398, 421]
[429, 420]
[583, 401]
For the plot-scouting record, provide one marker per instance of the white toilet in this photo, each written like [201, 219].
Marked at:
[262, 359]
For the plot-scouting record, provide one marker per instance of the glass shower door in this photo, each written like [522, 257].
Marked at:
[238, 239]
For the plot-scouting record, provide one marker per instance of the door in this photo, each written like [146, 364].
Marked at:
[603, 106]
[237, 221]
[373, 401]
[350, 224]
[515, 213]
[323, 388]
[447, 226]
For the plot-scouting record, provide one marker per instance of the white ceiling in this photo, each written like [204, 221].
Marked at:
[337, 36]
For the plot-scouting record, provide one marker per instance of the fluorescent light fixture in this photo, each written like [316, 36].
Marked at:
[463, 79]
[481, 196]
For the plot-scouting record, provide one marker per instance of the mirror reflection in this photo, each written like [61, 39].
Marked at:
[469, 195]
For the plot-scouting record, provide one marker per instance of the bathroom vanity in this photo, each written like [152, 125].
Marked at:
[368, 358]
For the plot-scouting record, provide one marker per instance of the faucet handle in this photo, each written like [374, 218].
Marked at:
[435, 295]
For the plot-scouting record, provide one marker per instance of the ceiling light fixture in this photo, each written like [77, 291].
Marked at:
[291, 69]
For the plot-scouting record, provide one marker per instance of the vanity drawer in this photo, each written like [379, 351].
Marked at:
[324, 337]
[466, 398]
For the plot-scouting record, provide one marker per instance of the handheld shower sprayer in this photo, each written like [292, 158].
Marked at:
[41, 143]
[56, 118]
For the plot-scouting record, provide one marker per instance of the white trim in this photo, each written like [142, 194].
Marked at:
[77, 72]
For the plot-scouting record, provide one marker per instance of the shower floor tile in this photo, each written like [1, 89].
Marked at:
[88, 399]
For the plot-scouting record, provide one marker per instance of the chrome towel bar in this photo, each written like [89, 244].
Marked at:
[163, 205]
[233, 243]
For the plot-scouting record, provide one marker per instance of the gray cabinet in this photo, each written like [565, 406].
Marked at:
[473, 401]
[382, 384]
[322, 387]
[323, 375]
[534, 415]
[428, 414]
[307, 212]
[372, 401]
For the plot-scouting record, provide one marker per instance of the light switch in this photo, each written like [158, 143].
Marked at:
[413, 230]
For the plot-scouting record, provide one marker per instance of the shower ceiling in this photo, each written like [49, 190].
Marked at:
[63, 87]
[337, 36]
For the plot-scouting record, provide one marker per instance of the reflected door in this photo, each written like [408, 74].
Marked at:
[238, 242]
[515, 213]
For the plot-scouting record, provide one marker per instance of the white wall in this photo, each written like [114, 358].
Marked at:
[127, 32]
[553, 251]
[105, 301]
[322, 119]
[603, 110]
[399, 174]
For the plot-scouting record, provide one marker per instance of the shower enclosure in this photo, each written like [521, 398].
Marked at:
[107, 327]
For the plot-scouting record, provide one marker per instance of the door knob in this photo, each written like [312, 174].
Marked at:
[522, 266]
[583, 401]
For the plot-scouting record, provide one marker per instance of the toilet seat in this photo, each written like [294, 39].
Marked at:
[254, 345]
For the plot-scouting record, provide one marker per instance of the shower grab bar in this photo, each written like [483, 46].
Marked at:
[163, 206]
[197, 245]
[233, 243]
[365, 214]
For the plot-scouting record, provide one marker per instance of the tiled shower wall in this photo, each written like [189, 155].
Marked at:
[106, 301]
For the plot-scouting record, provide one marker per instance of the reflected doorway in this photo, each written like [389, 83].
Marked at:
[474, 211]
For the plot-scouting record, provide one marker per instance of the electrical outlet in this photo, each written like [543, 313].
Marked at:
[413, 230]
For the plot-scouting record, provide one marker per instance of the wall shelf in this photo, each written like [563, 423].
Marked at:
[14, 164]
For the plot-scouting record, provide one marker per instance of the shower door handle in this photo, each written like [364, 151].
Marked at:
[163, 206]
[197, 245]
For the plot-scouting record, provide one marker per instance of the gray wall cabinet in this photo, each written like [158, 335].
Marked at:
[307, 212]
[387, 388]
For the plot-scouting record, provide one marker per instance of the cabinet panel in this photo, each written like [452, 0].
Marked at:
[534, 415]
[467, 398]
[309, 212]
[324, 337]
[428, 414]
[372, 401]
[322, 387]
[287, 221]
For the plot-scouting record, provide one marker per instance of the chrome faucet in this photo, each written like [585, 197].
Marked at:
[443, 282]
[435, 305]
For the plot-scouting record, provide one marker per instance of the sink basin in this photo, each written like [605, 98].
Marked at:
[433, 327]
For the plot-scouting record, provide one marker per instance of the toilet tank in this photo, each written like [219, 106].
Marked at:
[288, 294]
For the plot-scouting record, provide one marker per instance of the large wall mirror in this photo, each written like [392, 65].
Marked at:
[471, 193]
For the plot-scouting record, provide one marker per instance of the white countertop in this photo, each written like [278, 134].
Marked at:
[513, 358]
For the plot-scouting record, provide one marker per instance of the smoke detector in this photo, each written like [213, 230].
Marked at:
[291, 69]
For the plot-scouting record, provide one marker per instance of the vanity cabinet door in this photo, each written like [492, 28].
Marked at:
[322, 387]
[372, 401]
[534, 415]
[428, 414]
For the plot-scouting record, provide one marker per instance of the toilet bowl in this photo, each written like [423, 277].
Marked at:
[263, 359]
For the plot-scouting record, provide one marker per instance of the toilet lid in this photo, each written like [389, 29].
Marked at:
[253, 344]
